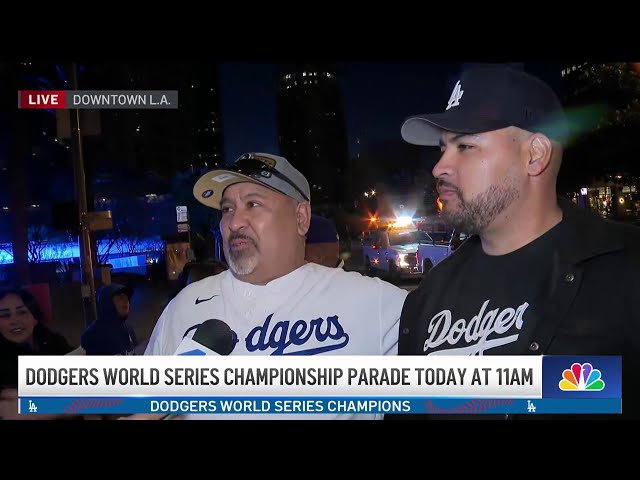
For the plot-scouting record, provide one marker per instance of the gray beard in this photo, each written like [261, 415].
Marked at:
[242, 264]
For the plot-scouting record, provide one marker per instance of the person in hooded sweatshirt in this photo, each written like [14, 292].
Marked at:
[109, 334]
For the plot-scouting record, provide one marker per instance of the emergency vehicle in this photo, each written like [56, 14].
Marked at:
[401, 250]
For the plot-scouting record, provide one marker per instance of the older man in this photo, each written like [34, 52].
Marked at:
[274, 301]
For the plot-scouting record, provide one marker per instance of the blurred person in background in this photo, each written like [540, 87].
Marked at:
[110, 334]
[322, 245]
[22, 332]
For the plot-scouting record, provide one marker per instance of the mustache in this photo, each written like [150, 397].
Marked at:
[240, 236]
[443, 183]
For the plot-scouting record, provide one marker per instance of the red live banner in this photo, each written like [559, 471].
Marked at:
[98, 99]
[42, 99]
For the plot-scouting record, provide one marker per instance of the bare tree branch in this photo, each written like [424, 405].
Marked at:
[38, 241]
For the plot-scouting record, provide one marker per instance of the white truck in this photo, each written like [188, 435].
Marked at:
[405, 252]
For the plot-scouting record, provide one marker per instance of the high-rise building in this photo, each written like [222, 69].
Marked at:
[138, 158]
[161, 141]
[46, 167]
[572, 90]
[311, 130]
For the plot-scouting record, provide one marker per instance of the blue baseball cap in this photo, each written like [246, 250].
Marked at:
[322, 230]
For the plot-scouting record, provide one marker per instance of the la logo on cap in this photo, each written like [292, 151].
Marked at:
[456, 95]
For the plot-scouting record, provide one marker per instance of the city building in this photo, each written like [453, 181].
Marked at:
[131, 157]
[311, 130]
[615, 197]
[599, 170]
[163, 141]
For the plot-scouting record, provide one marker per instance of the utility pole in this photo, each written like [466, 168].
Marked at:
[18, 128]
[87, 282]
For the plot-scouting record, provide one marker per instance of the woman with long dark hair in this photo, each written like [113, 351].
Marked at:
[22, 332]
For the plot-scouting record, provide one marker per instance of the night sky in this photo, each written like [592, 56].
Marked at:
[376, 98]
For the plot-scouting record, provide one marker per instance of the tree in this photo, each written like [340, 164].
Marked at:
[131, 237]
[38, 241]
[106, 240]
[7, 248]
[604, 112]
[56, 251]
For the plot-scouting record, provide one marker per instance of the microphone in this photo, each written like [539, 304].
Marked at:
[212, 337]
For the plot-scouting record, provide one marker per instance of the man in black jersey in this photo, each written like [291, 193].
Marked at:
[537, 275]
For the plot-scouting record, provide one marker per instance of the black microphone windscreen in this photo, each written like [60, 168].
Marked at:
[216, 335]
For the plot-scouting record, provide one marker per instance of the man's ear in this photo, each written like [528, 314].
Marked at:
[303, 217]
[539, 153]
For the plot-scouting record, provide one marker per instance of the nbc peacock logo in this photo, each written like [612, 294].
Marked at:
[581, 377]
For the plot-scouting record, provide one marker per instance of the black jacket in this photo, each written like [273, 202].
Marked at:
[46, 342]
[595, 304]
[109, 334]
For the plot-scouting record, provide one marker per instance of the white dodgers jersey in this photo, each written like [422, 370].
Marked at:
[314, 310]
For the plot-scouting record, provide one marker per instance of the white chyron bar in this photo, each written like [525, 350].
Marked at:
[318, 384]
